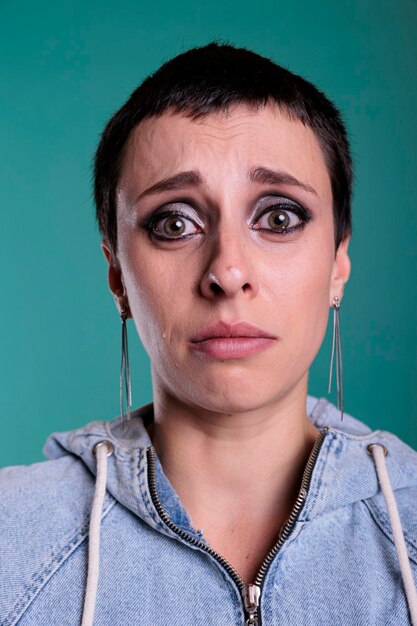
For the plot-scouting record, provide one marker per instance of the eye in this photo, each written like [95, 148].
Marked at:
[282, 219]
[171, 225]
[279, 220]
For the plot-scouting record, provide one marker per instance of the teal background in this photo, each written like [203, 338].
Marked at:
[65, 68]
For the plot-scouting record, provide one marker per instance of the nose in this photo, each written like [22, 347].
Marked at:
[230, 268]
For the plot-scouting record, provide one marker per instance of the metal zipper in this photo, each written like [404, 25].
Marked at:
[251, 594]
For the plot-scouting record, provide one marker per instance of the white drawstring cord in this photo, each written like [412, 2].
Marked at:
[378, 452]
[102, 450]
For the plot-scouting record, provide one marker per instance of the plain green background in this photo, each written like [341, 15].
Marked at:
[65, 68]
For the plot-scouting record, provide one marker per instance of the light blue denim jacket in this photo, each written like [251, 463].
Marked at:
[335, 562]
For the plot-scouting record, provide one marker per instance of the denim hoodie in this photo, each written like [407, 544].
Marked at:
[337, 560]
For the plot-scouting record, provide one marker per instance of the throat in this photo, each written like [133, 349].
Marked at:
[238, 481]
[244, 544]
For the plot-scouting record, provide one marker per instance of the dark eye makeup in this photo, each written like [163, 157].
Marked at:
[171, 225]
[275, 215]
[282, 217]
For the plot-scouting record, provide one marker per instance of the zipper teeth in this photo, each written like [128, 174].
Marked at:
[302, 494]
[285, 530]
[182, 533]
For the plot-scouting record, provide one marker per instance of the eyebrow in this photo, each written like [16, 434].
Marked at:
[261, 175]
[266, 176]
[178, 181]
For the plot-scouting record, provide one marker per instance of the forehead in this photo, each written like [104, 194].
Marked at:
[223, 146]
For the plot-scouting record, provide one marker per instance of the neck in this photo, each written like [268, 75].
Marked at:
[233, 455]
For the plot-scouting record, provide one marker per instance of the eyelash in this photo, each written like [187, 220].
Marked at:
[302, 213]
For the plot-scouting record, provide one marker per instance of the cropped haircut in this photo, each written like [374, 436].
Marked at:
[213, 78]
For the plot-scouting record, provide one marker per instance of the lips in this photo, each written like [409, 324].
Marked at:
[222, 340]
[224, 330]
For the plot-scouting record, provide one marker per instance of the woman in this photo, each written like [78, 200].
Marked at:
[223, 193]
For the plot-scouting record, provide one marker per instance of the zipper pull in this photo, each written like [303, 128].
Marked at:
[251, 597]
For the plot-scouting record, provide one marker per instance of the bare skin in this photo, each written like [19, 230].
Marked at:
[232, 433]
[227, 482]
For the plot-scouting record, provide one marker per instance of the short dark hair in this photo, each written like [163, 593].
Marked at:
[213, 78]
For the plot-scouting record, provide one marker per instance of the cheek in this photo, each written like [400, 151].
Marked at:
[313, 309]
[155, 288]
[300, 292]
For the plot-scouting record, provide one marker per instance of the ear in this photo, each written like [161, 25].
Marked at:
[341, 270]
[115, 278]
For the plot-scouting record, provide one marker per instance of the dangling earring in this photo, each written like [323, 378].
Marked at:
[337, 352]
[125, 370]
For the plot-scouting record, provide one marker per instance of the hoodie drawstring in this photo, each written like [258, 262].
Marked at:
[379, 452]
[102, 450]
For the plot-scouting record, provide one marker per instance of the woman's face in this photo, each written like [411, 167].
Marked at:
[221, 221]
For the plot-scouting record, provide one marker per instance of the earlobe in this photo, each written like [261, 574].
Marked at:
[341, 270]
[115, 278]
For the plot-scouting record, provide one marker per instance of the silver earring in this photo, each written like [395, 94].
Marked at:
[125, 370]
[337, 353]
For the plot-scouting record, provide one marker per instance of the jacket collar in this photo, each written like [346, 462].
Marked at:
[344, 471]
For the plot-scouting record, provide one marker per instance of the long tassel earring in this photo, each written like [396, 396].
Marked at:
[125, 382]
[337, 353]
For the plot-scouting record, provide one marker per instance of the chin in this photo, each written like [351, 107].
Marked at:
[235, 396]
[228, 405]
[233, 387]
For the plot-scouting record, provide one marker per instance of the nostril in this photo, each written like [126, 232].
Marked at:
[215, 288]
[246, 287]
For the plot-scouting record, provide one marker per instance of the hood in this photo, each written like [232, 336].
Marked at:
[350, 462]
[344, 471]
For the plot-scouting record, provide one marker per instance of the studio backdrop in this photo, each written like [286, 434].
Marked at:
[65, 68]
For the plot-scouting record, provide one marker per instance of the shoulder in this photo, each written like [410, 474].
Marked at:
[44, 512]
[63, 486]
[401, 463]
[17, 478]
[406, 503]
